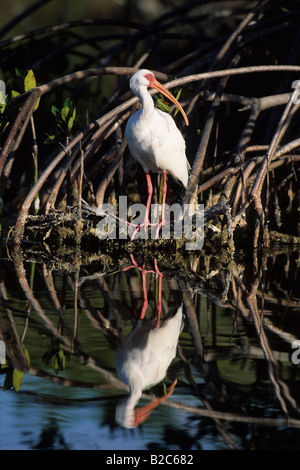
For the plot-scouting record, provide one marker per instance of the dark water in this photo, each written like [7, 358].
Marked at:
[237, 386]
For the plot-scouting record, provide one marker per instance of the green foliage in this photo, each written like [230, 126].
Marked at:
[29, 84]
[163, 105]
[56, 357]
[23, 81]
[4, 110]
[29, 81]
[18, 375]
[14, 377]
[4, 122]
[177, 94]
[58, 361]
[17, 379]
[67, 121]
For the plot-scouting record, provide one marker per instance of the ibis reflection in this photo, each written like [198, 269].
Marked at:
[144, 358]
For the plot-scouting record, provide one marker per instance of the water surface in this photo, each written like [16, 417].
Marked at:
[237, 387]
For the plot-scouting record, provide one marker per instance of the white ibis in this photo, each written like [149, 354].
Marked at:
[142, 362]
[153, 138]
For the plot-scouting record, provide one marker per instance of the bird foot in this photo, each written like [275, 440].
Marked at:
[144, 227]
[144, 273]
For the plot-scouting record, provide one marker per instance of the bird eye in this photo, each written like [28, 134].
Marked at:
[149, 77]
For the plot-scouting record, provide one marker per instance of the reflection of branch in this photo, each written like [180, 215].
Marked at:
[195, 411]
[193, 323]
[205, 402]
[283, 395]
[238, 418]
[205, 361]
[51, 289]
[239, 308]
[197, 340]
[21, 275]
[90, 361]
[112, 381]
[95, 315]
[288, 337]
[15, 351]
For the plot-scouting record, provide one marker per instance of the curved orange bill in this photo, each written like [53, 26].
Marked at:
[142, 413]
[159, 87]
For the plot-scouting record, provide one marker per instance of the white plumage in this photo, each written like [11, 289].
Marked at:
[142, 362]
[152, 136]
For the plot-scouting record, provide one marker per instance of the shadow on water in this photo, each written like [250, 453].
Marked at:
[66, 327]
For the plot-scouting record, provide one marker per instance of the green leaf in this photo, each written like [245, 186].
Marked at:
[178, 94]
[162, 105]
[19, 73]
[26, 352]
[68, 103]
[54, 363]
[52, 139]
[62, 358]
[29, 81]
[4, 127]
[14, 93]
[70, 123]
[64, 112]
[17, 377]
[55, 111]
[29, 84]
[71, 120]
[67, 121]
[37, 103]
[58, 361]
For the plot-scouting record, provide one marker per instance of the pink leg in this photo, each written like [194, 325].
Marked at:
[134, 264]
[144, 280]
[163, 208]
[164, 194]
[145, 293]
[150, 191]
[159, 300]
[159, 305]
[146, 220]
